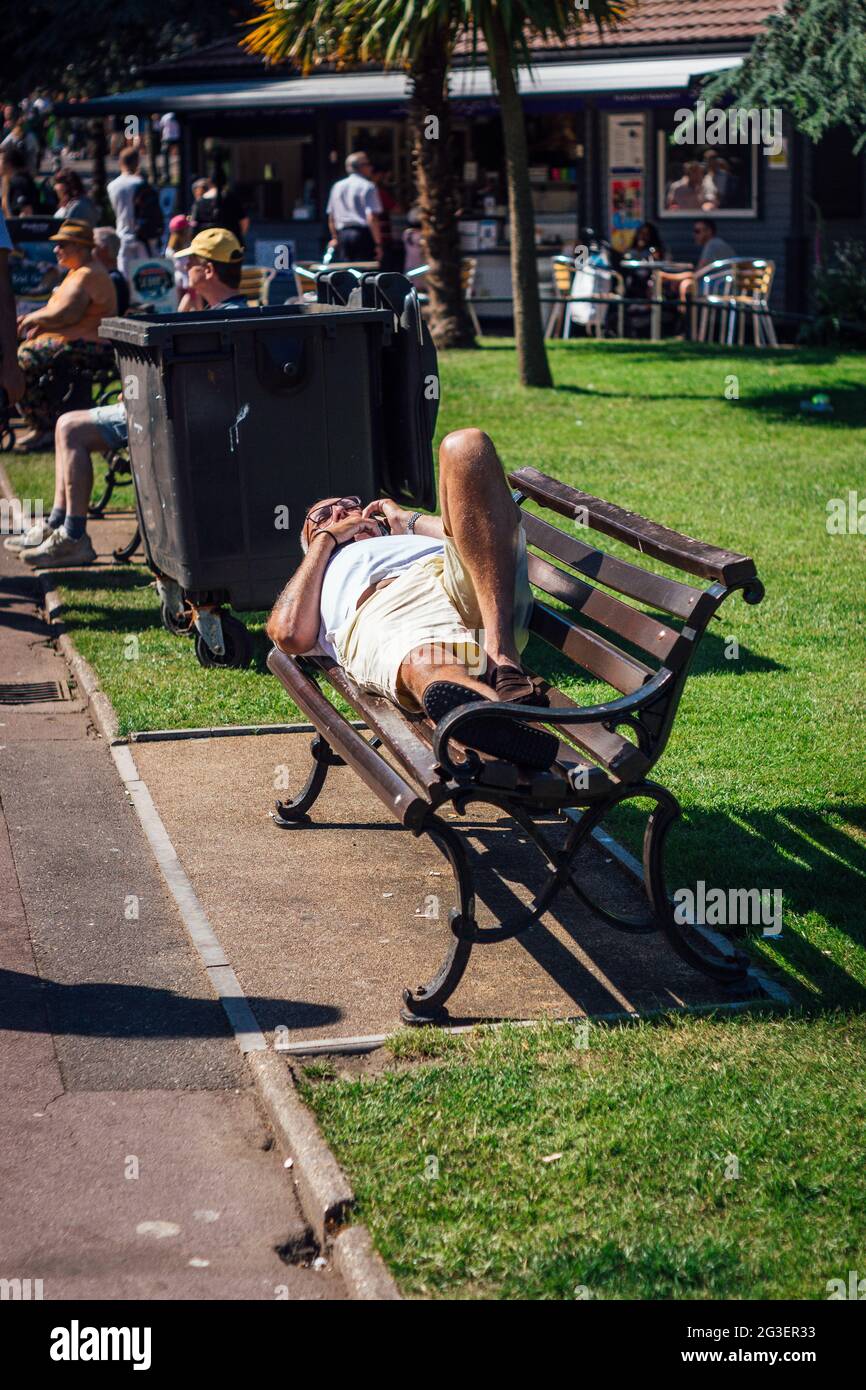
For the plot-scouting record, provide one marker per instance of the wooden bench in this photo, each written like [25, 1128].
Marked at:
[606, 751]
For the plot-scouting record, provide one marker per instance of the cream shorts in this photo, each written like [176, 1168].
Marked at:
[433, 605]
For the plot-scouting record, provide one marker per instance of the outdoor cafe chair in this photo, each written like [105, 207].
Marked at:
[603, 284]
[729, 292]
[255, 282]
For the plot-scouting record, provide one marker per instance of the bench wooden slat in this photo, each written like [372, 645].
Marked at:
[401, 799]
[669, 595]
[610, 750]
[620, 618]
[625, 673]
[683, 552]
[398, 732]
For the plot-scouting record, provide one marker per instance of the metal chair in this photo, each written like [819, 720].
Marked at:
[255, 281]
[730, 291]
[562, 274]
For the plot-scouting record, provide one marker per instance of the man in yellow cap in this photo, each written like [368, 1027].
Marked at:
[84, 297]
[214, 259]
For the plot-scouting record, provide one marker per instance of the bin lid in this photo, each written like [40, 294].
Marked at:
[155, 330]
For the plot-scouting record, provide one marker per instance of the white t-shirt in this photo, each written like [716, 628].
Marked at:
[351, 199]
[121, 192]
[355, 567]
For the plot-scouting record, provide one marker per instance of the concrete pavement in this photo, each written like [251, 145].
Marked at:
[134, 1161]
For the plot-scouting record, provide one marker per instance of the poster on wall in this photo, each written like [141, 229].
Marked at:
[626, 209]
[626, 162]
[625, 141]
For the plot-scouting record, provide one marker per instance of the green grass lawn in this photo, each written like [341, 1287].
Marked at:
[767, 759]
[696, 1159]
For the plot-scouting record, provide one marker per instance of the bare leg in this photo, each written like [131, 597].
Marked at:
[482, 519]
[418, 670]
[76, 438]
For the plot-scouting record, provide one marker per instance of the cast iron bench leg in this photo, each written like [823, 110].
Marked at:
[426, 1004]
[290, 813]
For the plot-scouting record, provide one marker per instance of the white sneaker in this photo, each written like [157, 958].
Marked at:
[38, 533]
[59, 552]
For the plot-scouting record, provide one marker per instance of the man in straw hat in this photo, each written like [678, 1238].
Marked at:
[84, 297]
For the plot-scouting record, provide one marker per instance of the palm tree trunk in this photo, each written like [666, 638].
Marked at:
[533, 367]
[430, 119]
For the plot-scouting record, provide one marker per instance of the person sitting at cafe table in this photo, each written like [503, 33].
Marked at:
[68, 323]
[712, 248]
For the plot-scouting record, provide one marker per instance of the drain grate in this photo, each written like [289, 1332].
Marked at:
[30, 692]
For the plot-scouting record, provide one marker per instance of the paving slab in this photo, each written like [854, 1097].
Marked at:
[325, 924]
[134, 1160]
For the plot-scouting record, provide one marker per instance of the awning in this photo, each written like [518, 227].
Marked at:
[373, 88]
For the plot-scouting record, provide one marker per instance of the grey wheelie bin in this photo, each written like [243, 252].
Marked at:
[240, 420]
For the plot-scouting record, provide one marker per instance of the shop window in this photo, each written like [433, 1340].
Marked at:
[694, 176]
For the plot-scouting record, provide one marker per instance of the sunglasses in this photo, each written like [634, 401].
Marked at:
[320, 514]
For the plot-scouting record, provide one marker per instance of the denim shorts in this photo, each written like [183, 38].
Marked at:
[111, 420]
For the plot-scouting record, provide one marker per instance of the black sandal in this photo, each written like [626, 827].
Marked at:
[506, 738]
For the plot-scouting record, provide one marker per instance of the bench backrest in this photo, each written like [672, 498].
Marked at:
[612, 629]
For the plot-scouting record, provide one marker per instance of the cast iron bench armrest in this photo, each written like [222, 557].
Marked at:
[610, 714]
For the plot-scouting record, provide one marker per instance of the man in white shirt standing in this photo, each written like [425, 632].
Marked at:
[354, 208]
[121, 193]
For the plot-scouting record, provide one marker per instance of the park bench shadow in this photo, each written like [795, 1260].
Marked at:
[102, 1010]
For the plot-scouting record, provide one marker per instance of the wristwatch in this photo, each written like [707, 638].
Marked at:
[410, 524]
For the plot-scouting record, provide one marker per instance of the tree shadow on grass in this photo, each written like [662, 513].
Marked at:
[783, 404]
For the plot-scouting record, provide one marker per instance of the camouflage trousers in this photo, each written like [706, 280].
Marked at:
[53, 368]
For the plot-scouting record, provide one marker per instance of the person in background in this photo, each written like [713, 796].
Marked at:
[712, 247]
[687, 193]
[106, 250]
[354, 213]
[218, 206]
[72, 201]
[11, 375]
[214, 260]
[61, 539]
[413, 242]
[70, 320]
[179, 237]
[392, 255]
[20, 196]
[169, 135]
[20, 138]
[197, 188]
[647, 246]
[121, 194]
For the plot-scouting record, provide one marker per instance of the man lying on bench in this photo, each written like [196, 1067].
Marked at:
[430, 611]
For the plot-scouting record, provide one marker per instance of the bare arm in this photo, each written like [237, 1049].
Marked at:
[66, 306]
[11, 375]
[398, 519]
[296, 617]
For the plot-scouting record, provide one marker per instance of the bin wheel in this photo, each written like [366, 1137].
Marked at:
[238, 646]
[178, 627]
